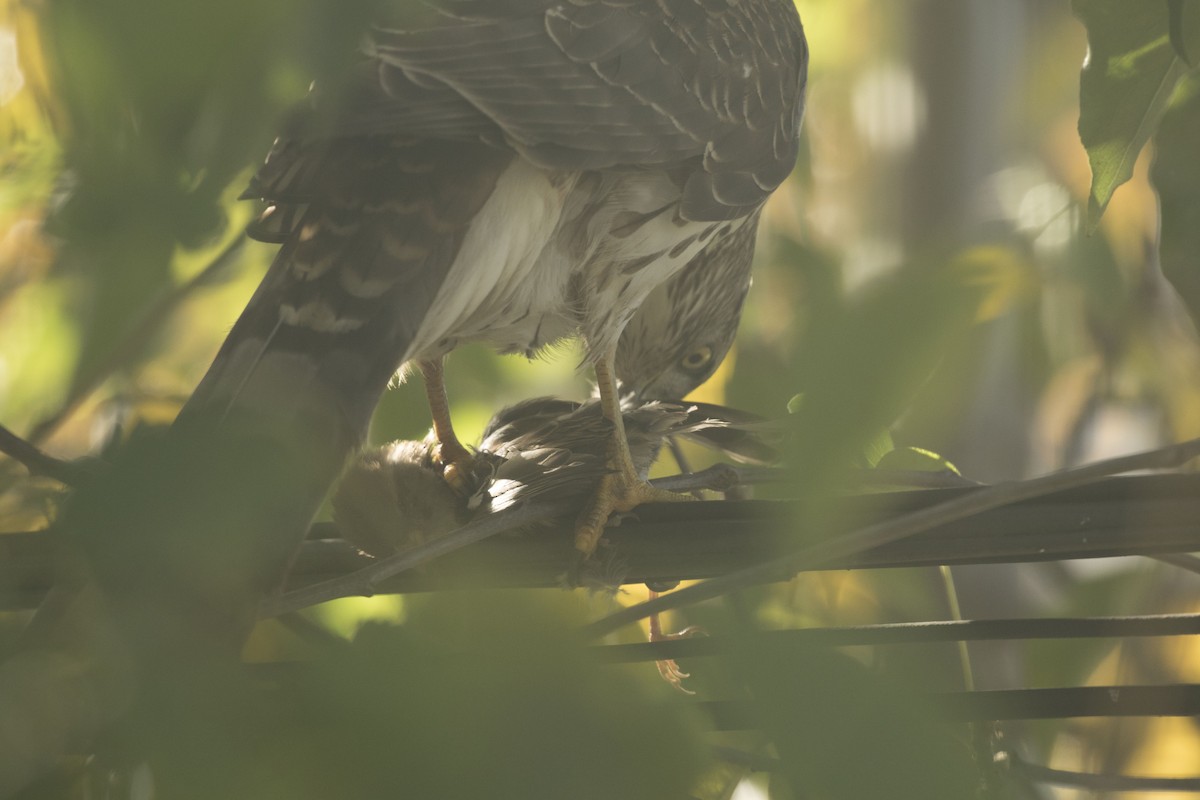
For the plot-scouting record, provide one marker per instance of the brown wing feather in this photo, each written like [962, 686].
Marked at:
[593, 84]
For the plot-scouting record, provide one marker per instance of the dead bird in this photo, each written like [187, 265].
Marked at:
[546, 448]
[540, 450]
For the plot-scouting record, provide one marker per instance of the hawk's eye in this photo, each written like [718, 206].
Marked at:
[698, 359]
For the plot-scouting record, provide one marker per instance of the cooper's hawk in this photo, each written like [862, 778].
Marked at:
[508, 171]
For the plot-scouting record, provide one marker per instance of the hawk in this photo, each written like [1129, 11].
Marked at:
[512, 172]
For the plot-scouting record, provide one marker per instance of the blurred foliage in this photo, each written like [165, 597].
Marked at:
[1175, 173]
[473, 697]
[1136, 59]
[925, 280]
[842, 731]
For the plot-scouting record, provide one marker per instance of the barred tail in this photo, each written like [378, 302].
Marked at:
[369, 229]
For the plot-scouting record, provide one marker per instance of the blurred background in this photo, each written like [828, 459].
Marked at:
[939, 135]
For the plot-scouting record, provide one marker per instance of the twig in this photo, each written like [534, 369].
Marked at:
[682, 463]
[788, 564]
[364, 581]
[1183, 561]
[910, 479]
[715, 478]
[1179, 700]
[964, 654]
[1145, 515]
[37, 461]
[909, 633]
[718, 478]
[1101, 783]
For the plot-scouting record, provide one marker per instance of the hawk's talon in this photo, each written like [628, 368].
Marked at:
[668, 668]
[455, 475]
[616, 495]
[468, 474]
[672, 674]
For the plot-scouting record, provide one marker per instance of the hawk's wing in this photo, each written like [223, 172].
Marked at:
[714, 86]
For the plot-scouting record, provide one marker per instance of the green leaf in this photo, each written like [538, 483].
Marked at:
[878, 448]
[828, 715]
[916, 459]
[1176, 176]
[864, 361]
[1126, 84]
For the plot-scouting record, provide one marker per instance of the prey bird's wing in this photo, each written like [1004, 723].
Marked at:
[741, 435]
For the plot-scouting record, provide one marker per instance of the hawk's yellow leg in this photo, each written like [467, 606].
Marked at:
[458, 463]
[622, 489]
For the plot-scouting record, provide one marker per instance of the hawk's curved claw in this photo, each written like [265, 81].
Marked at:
[672, 674]
[617, 493]
[622, 489]
[468, 474]
[669, 668]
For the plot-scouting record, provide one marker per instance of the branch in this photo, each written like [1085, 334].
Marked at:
[784, 566]
[1100, 783]
[1178, 700]
[1145, 515]
[366, 581]
[910, 633]
[1148, 515]
[1183, 561]
[37, 461]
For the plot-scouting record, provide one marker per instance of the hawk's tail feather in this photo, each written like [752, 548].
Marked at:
[300, 373]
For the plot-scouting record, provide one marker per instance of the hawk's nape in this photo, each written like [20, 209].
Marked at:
[505, 171]
[685, 327]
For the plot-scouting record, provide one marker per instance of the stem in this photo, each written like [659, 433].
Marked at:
[783, 567]
[37, 461]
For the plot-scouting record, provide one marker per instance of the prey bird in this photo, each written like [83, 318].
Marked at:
[513, 172]
[544, 450]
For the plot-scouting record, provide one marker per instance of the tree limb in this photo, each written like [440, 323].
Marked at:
[37, 461]
[1178, 700]
[1150, 515]
[782, 567]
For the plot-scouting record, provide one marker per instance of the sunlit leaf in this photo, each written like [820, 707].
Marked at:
[916, 459]
[1126, 85]
[878, 448]
[1176, 176]
[864, 361]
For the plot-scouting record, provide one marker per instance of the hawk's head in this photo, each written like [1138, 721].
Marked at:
[683, 330]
